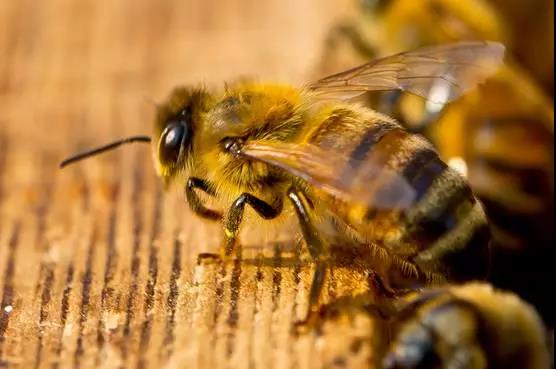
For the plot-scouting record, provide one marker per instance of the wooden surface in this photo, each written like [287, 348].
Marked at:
[98, 266]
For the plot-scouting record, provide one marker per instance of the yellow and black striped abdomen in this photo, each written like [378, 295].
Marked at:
[444, 234]
[447, 221]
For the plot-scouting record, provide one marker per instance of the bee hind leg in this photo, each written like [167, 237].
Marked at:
[317, 251]
[235, 217]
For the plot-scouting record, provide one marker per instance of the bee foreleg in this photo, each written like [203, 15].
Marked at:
[316, 249]
[194, 201]
[235, 216]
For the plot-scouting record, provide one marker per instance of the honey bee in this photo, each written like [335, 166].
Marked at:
[350, 175]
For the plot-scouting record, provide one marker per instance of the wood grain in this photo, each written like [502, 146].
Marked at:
[98, 266]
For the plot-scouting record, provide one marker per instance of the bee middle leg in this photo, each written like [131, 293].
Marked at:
[316, 249]
[235, 216]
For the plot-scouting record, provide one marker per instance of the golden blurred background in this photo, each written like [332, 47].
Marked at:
[98, 265]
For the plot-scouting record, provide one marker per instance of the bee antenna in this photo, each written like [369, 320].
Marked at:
[101, 149]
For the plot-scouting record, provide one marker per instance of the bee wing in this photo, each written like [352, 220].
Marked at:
[440, 74]
[367, 182]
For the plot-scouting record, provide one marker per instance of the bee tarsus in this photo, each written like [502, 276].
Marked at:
[235, 217]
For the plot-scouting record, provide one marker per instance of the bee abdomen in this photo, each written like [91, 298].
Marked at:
[349, 131]
[371, 137]
[462, 253]
[422, 169]
[444, 233]
[447, 223]
[451, 228]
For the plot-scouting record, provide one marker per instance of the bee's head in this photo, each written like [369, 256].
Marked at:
[173, 133]
[177, 120]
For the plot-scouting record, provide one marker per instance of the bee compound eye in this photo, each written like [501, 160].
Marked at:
[171, 141]
[173, 137]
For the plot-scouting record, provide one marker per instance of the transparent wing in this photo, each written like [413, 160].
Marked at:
[440, 74]
[366, 181]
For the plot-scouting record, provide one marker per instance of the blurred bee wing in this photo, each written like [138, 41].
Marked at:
[440, 74]
[365, 182]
